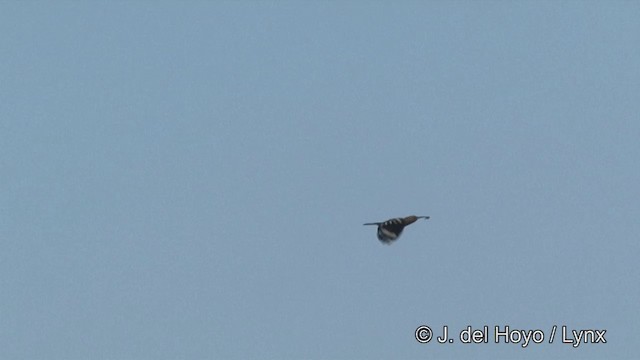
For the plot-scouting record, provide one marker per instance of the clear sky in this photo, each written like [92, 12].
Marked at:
[189, 180]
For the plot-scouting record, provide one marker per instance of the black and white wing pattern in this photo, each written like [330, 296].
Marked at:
[390, 230]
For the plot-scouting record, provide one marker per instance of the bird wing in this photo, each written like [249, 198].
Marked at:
[394, 227]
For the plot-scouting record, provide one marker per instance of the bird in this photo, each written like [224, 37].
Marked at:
[390, 230]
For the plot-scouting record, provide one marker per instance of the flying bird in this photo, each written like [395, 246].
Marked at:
[390, 230]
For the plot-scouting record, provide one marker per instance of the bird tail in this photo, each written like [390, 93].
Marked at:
[372, 224]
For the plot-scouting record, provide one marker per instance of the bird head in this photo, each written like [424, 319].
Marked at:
[412, 218]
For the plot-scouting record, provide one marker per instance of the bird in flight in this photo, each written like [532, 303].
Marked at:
[390, 230]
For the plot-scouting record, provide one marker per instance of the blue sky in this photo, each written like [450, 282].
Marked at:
[190, 179]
